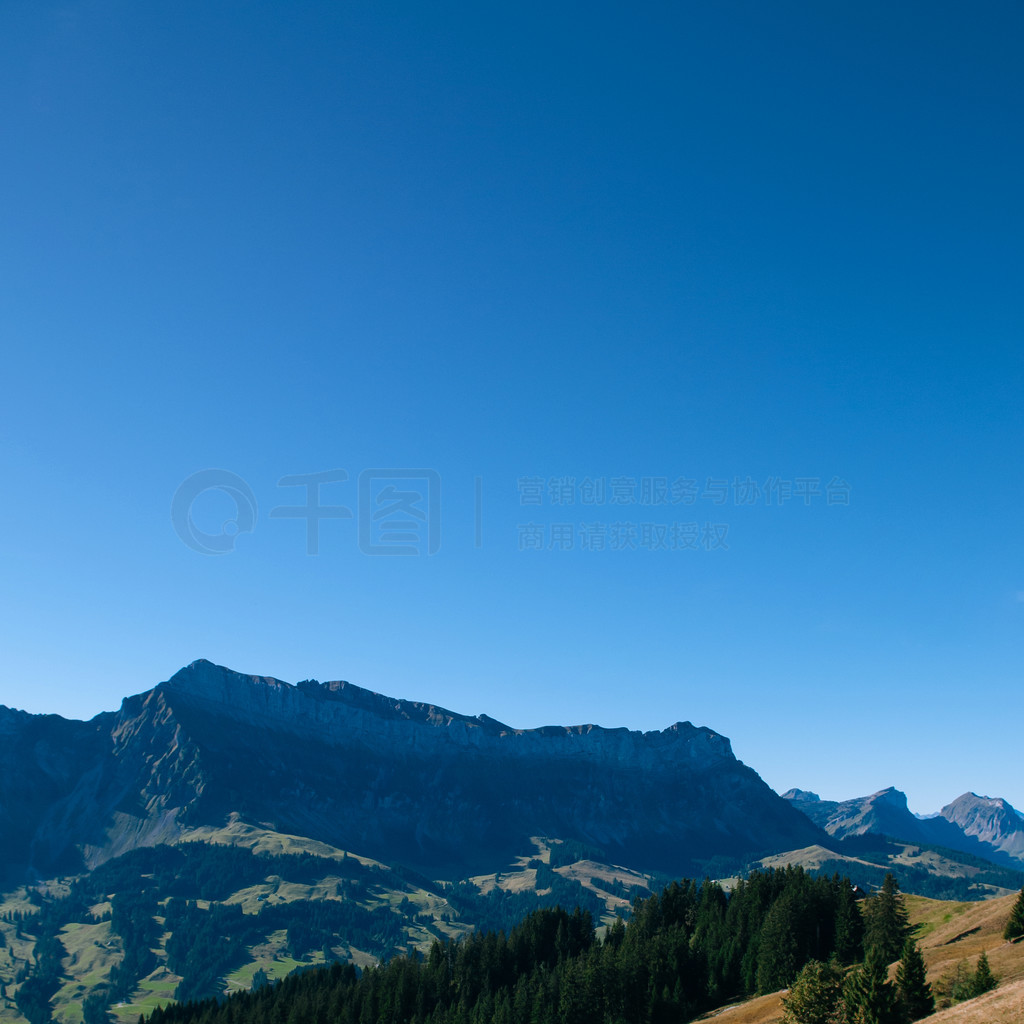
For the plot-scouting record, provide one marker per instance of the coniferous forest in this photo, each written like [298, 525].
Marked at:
[689, 949]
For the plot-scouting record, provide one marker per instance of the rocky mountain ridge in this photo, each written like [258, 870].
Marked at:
[311, 708]
[402, 781]
[981, 826]
[991, 820]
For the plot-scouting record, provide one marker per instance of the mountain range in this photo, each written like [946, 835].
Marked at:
[222, 827]
[400, 781]
[413, 783]
[978, 825]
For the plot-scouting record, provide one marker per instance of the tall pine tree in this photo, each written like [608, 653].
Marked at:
[869, 997]
[849, 938]
[984, 980]
[886, 923]
[912, 983]
[778, 958]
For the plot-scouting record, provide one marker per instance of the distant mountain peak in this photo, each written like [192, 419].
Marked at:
[989, 819]
[974, 799]
[801, 796]
[892, 796]
[982, 826]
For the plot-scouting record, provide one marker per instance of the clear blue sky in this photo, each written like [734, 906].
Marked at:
[511, 243]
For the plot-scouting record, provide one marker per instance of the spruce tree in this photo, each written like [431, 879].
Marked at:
[778, 956]
[869, 997]
[886, 923]
[984, 980]
[849, 936]
[912, 983]
[1015, 926]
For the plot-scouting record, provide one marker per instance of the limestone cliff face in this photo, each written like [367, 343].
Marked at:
[340, 712]
[401, 781]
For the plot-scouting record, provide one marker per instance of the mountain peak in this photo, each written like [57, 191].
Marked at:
[892, 796]
[801, 796]
[974, 799]
[989, 819]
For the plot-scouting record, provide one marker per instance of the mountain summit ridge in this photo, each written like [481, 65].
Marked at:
[200, 676]
[400, 781]
[991, 820]
[324, 708]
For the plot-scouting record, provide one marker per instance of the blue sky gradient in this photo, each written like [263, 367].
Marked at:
[712, 242]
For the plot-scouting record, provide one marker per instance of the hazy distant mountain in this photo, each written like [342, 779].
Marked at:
[971, 824]
[405, 782]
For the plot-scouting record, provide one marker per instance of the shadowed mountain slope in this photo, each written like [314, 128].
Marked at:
[403, 781]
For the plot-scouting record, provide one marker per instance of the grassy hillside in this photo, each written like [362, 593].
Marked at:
[372, 911]
[265, 904]
[928, 870]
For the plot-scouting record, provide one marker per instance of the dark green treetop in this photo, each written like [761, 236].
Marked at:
[915, 993]
[869, 997]
[1015, 925]
[886, 923]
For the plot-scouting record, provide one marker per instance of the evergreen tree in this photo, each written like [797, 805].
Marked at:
[886, 923]
[912, 984]
[1015, 926]
[817, 995]
[869, 997]
[849, 937]
[984, 980]
[778, 956]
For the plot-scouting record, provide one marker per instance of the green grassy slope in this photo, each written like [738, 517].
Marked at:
[394, 910]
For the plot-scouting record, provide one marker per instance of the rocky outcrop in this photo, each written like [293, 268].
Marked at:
[398, 780]
[991, 820]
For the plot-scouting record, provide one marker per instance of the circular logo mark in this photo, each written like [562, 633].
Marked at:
[213, 480]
